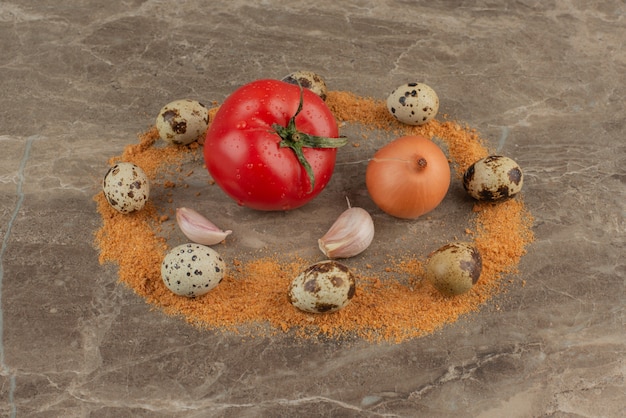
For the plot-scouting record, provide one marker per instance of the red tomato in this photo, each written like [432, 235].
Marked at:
[252, 145]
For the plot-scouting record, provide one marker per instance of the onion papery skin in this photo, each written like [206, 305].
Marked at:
[408, 177]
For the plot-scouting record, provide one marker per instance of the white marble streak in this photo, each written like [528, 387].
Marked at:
[543, 82]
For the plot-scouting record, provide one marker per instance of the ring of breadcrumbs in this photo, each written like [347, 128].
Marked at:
[382, 310]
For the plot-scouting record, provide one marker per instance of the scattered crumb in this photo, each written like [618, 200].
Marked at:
[386, 310]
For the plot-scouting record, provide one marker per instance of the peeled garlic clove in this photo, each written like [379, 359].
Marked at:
[350, 235]
[198, 228]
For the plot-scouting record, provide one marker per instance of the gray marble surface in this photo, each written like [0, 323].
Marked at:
[544, 82]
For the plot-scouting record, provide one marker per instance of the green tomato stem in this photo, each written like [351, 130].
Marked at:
[296, 140]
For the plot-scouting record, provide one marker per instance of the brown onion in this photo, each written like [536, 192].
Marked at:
[408, 177]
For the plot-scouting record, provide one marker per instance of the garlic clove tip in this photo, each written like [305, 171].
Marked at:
[198, 228]
[351, 234]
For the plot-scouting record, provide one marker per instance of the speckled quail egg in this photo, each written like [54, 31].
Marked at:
[126, 187]
[327, 286]
[192, 269]
[309, 80]
[182, 122]
[454, 268]
[413, 103]
[493, 178]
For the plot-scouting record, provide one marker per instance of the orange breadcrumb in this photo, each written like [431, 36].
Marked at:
[381, 311]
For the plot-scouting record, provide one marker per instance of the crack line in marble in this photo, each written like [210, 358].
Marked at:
[304, 401]
[4, 369]
[503, 138]
[467, 370]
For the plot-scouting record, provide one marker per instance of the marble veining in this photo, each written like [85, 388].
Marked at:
[543, 82]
